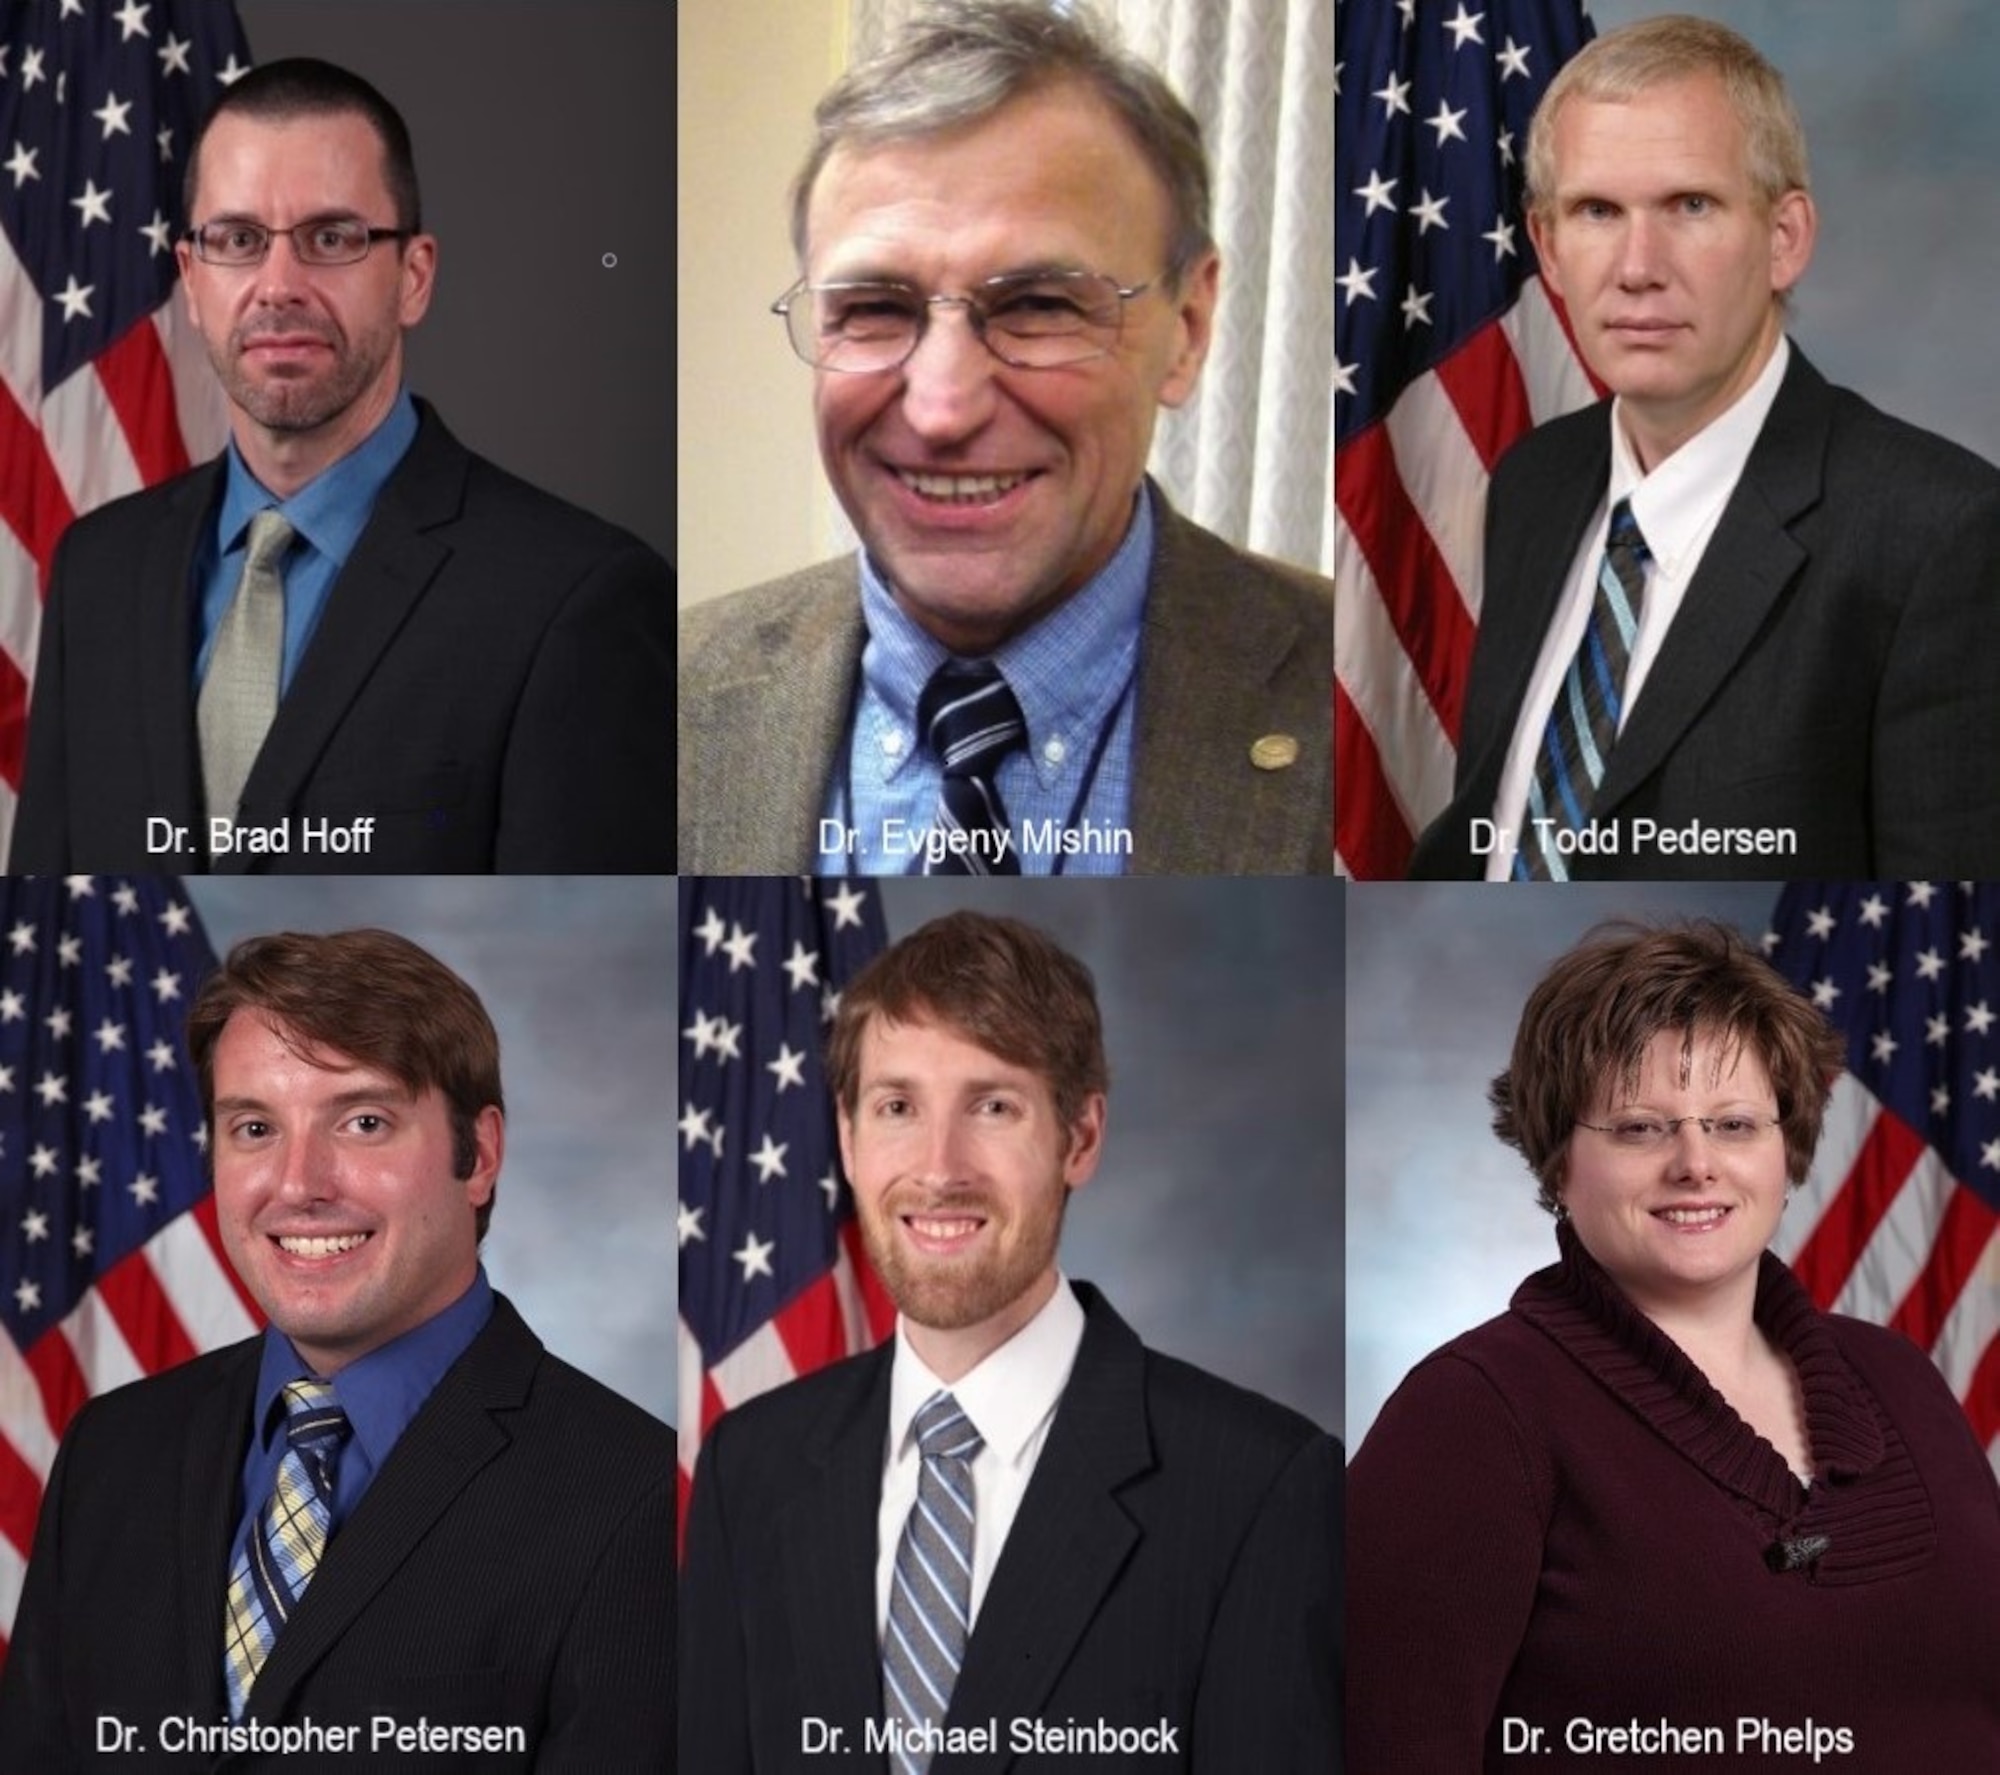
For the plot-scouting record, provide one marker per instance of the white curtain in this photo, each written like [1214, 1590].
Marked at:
[1252, 455]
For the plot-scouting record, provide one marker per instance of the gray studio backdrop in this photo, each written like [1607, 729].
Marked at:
[543, 143]
[1897, 102]
[575, 975]
[1441, 1218]
[1214, 1223]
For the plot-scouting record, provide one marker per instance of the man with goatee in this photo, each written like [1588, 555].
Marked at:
[1012, 1537]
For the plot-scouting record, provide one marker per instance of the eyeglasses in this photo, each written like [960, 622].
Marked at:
[1650, 1133]
[1037, 320]
[331, 240]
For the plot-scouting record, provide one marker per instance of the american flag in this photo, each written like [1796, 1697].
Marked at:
[1448, 348]
[111, 1267]
[1900, 1220]
[773, 1282]
[104, 385]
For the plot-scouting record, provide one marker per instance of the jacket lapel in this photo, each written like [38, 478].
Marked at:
[1072, 1538]
[210, 1501]
[166, 643]
[393, 563]
[1211, 647]
[1745, 569]
[447, 1443]
[828, 1538]
[761, 788]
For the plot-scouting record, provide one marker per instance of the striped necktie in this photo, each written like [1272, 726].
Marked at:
[239, 694]
[972, 720]
[286, 1543]
[930, 1592]
[1583, 724]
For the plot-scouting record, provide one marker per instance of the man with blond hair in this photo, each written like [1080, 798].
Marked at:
[1737, 622]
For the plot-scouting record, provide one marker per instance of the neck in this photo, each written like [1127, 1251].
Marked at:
[284, 461]
[951, 1353]
[1715, 1326]
[1656, 432]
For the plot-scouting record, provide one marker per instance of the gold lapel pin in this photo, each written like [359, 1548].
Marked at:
[1274, 751]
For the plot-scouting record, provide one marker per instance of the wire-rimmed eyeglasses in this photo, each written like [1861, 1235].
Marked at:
[1036, 320]
[1649, 1133]
[326, 240]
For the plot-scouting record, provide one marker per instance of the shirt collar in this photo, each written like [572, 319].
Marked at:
[1099, 624]
[1674, 503]
[331, 510]
[383, 1390]
[1010, 1395]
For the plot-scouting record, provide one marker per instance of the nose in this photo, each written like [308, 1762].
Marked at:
[283, 273]
[1692, 1149]
[305, 1170]
[948, 390]
[943, 1160]
[1638, 253]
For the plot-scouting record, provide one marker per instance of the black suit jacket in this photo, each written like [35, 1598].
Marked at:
[490, 680]
[1835, 668]
[510, 1564]
[1174, 1558]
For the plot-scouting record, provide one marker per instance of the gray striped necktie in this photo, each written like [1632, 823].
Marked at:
[1583, 725]
[239, 695]
[930, 1592]
[971, 718]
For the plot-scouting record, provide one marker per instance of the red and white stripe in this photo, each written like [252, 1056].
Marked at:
[142, 411]
[1409, 517]
[167, 1301]
[1881, 1230]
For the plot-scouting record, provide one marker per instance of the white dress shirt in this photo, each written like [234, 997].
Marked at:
[1677, 507]
[1011, 1399]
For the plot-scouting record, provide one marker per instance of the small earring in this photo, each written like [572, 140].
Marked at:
[1562, 1211]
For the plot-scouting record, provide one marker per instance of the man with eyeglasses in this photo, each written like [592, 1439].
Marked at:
[1034, 665]
[348, 643]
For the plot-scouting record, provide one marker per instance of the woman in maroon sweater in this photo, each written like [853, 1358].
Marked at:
[1664, 1513]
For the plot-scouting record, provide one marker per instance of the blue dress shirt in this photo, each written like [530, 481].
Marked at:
[329, 513]
[380, 1392]
[1074, 674]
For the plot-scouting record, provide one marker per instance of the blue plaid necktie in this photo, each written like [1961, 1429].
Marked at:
[930, 1593]
[1583, 725]
[285, 1546]
[972, 720]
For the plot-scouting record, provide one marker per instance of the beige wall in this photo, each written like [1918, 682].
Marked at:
[750, 499]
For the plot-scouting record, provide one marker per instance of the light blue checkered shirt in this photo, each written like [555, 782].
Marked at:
[1073, 672]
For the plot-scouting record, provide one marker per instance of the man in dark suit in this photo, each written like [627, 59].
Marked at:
[1737, 622]
[393, 1506]
[348, 643]
[1013, 1538]
[1006, 271]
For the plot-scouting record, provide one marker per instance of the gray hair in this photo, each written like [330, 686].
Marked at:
[961, 60]
[1624, 63]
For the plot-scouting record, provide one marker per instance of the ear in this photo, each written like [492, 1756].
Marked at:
[1541, 230]
[1194, 326]
[489, 1146]
[1086, 1142]
[419, 274]
[844, 1126]
[184, 258]
[1794, 230]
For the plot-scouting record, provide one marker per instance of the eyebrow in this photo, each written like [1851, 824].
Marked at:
[871, 274]
[242, 216]
[387, 1092]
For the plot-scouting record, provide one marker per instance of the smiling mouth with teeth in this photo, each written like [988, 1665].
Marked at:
[960, 489]
[324, 1247]
[1691, 1216]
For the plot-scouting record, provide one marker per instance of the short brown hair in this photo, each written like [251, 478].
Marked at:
[372, 995]
[1654, 52]
[1003, 984]
[1588, 1023]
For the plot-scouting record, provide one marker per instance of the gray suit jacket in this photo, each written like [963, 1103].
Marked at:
[1234, 648]
[1833, 670]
